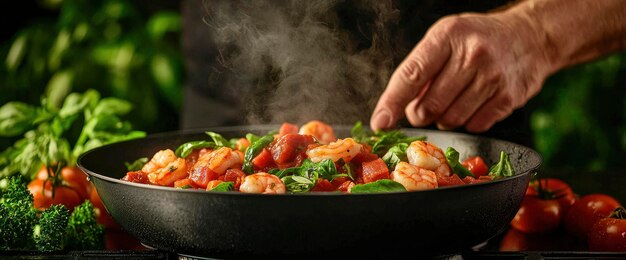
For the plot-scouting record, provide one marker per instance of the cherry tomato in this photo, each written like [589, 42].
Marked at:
[43, 199]
[476, 165]
[73, 178]
[515, 240]
[553, 188]
[586, 211]
[537, 215]
[607, 234]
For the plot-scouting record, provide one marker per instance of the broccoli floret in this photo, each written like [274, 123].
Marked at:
[83, 232]
[17, 216]
[49, 233]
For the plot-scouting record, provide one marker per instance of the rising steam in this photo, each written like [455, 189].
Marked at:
[296, 60]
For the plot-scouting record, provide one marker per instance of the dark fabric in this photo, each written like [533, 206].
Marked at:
[213, 92]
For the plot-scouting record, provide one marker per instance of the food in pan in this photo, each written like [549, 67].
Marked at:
[310, 158]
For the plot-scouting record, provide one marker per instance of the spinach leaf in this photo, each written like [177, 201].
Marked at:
[224, 186]
[383, 185]
[503, 168]
[252, 151]
[297, 184]
[381, 141]
[452, 156]
[185, 149]
[136, 165]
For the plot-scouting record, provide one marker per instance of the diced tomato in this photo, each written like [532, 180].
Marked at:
[323, 185]
[375, 170]
[185, 183]
[192, 158]
[476, 165]
[367, 147]
[236, 176]
[364, 156]
[338, 181]
[137, 177]
[288, 147]
[202, 175]
[263, 160]
[287, 128]
[346, 186]
[470, 179]
[242, 144]
[449, 180]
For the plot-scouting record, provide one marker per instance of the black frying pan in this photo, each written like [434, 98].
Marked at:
[233, 225]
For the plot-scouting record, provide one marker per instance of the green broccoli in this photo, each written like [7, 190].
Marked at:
[83, 232]
[49, 233]
[17, 216]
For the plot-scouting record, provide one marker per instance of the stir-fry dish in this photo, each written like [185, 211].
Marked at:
[310, 158]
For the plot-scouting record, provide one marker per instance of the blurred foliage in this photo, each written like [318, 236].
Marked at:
[579, 118]
[123, 49]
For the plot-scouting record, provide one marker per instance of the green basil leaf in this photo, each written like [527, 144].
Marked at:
[254, 150]
[16, 118]
[383, 185]
[452, 156]
[395, 155]
[136, 165]
[112, 106]
[219, 140]
[185, 149]
[297, 184]
[224, 186]
[503, 168]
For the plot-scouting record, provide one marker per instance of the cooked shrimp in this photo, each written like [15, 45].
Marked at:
[262, 183]
[344, 149]
[321, 131]
[426, 155]
[413, 177]
[165, 168]
[219, 160]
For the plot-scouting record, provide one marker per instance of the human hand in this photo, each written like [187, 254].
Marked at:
[469, 70]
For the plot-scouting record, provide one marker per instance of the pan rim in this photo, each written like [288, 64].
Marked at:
[90, 174]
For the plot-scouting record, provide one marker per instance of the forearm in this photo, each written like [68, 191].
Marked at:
[575, 31]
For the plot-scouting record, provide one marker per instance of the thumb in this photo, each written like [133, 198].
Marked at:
[419, 67]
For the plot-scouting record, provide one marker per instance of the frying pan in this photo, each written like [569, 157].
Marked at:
[238, 225]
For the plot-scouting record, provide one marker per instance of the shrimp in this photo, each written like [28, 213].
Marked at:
[165, 168]
[426, 155]
[220, 160]
[262, 183]
[321, 131]
[345, 149]
[414, 178]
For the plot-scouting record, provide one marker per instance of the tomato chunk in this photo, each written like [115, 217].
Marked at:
[290, 147]
[288, 128]
[476, 165]
[449, 180]
[202, 175]
[136, 176]
[375, 170]
[236, 176]
[323, 185]
[346, 186]
[263, 160]
[364, 156]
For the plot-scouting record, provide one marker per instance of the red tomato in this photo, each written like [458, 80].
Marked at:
[73, 177]
[263, 160]
[136, 177]
[236, 176]
[42, 197]
[476, 165]
[471, 180]
[607, 234]
[553, 188]
[323, 185]
[202, 175]
[586, 211]
[102, 215]
[515, 240]
[363, 156]
[287, 128]
[346, 186]
[290, 149]
[374, 170]
[537, 215]
[451, 180]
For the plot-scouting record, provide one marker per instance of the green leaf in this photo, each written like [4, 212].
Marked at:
[185, 149]
[136, 165]
[358, 133]
[503, 168]
[395, 155]
[383, 185]
[16, 118]
[224, 186]
[219, 140]
[298, 184]
[452, 156]
[254, 150]
[113, 106]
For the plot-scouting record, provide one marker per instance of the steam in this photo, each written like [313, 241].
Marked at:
[294, 61]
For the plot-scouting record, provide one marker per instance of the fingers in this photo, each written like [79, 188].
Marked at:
[451, 82]
[421, 65]
[491, 112]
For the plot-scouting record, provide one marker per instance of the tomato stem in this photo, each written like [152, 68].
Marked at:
[618, 213]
